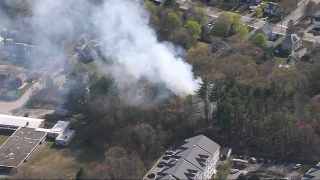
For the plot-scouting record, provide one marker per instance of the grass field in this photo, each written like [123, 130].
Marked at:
[54, 159]
[3, 139]
[19, 92]
[91, 66]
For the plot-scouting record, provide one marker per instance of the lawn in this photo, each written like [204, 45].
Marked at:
[3, 139]
[306, 43]
[57, 159]
[19, 92]
[304, 169]
[91, 66]
[250, 28]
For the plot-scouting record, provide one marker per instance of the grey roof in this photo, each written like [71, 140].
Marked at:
[313, 173]
[190, 158]
[19, 146]
[22, 76]
[271, 5]
[265, 29]
[291, 39]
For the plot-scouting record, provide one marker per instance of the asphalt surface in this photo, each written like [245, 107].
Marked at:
[257, 23]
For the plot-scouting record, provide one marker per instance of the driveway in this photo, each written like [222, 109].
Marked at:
[16, 107]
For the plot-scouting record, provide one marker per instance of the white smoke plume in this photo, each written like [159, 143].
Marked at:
[134, 45]
[130, 40]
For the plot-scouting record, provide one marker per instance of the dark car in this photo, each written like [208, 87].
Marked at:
[265, 161]
[168, 153]
[276, 162]
[260, 160]
[161, 165]
[151, 176]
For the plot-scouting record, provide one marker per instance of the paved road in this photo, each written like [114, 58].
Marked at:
[257, 23]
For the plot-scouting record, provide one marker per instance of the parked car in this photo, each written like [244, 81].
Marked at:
[151, 176]
[161, 164]
[233, 171]
[260, 160]
[297, 166]
[253, 160]
[265, 161]
[276, 162]
[240, 157]
[168, 153]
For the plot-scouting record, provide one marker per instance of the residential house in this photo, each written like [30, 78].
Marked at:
[267, 31]
[248, 3]
[317, 21]
[272, 8]
[313, 173]
[291, 43]
[195, 158]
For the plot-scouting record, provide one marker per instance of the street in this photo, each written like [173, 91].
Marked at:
[257, 23]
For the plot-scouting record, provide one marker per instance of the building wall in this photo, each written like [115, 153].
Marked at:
[211, 166]
[65, 142]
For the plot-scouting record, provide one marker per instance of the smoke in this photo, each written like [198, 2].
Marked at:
[135, 46]
[129, 40]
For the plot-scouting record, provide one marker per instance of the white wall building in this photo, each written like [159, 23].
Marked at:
[14, 122]
[65, 137]
[61, 132]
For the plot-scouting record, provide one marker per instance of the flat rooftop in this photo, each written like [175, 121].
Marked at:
[16, 121]
[19, 146]
[60, 126]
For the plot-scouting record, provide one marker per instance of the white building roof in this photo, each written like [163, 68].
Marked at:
[8, 120]
[60, 126]
[65, 135]
[44, 130]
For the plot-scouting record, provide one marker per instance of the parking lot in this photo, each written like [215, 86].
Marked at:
[269, 167]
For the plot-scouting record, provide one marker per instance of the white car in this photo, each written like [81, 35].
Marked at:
[253, 160]
[233, 171]
[297, 166]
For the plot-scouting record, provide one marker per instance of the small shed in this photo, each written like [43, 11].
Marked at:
[20, 79]
[225, 152]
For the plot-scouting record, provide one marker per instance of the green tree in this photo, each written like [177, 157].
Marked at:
[150, 6]
[193, 29]
[260, 40]
[203, 94]
[226, 24]
[242, 32]
[258, 12]
[173, 22]
[198, 14]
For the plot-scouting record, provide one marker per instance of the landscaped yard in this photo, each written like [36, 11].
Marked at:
[306, 43]
[91, 66]
[19, 92]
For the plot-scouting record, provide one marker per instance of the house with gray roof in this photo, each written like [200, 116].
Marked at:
[195, 158]
[267, 31]
[291, 43]
[272, 8]
[313, 173]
